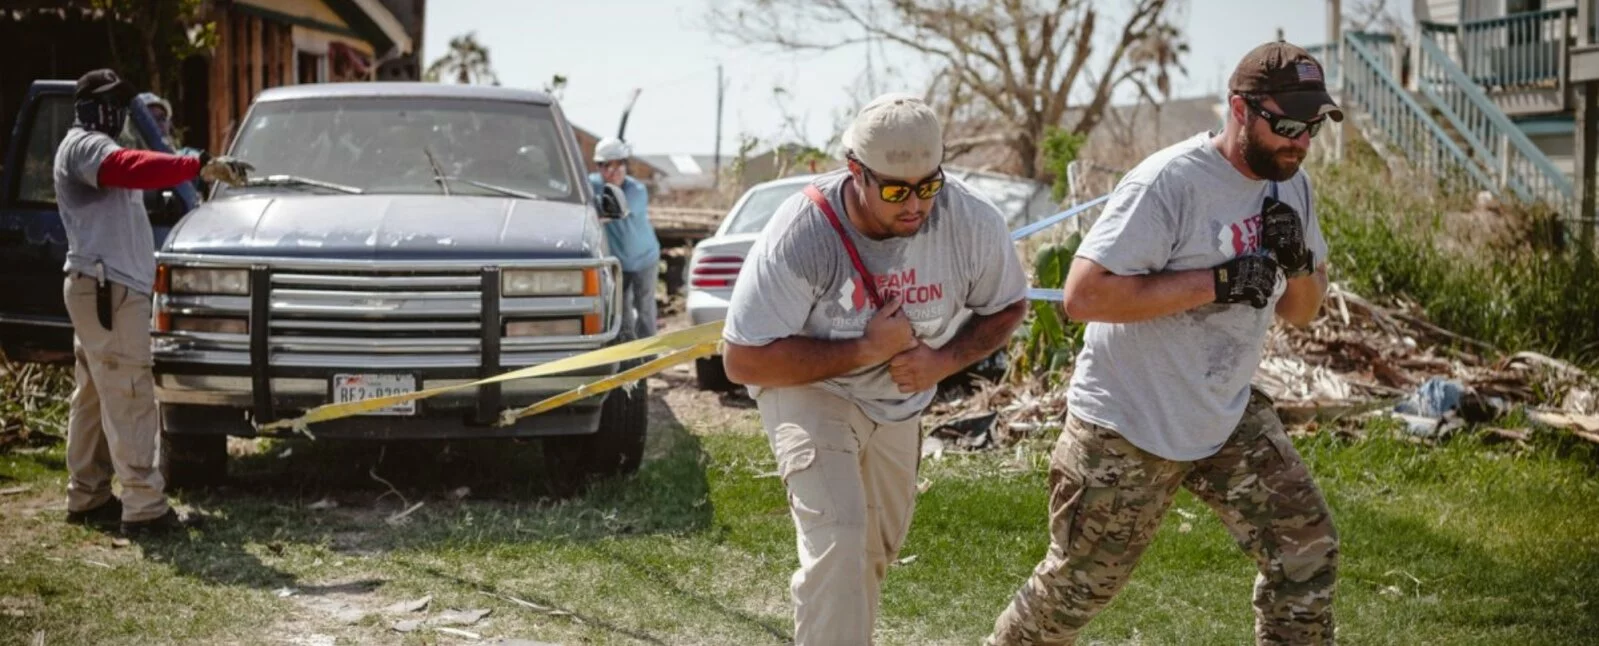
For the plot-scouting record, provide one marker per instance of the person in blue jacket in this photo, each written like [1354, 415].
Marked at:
[631, 237]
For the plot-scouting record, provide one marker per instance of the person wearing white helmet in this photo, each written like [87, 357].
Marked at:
[161, 110]
[844, 319]
[631, 238]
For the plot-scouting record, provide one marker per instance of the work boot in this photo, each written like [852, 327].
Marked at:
[106, 516]
[164, 524]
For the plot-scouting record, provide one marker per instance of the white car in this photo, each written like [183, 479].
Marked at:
[716, 260]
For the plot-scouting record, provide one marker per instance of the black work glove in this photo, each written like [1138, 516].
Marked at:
[1246, 279]
[1283, 233]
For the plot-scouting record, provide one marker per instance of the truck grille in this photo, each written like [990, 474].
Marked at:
[388, 312]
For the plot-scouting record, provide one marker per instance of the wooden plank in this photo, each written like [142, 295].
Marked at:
[217, 101]
[269, 56]
[257, 70]
[1584, 64]
[239, 55]
[286, 54]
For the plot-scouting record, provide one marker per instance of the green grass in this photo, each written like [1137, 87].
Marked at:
[1535, 291]
[1459, 544]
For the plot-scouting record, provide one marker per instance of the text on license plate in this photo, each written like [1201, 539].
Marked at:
[350, 388]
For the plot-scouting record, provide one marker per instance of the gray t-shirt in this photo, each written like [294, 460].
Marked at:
[1176, 386]
[107, 225]
[798, 281]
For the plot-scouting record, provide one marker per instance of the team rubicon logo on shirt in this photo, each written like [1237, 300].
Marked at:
[1241, 237]
[852, 295]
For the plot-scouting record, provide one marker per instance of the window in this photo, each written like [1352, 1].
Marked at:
[760, 206]
[1513, 7]
[309, 68]
[389, 145]
[51, 118]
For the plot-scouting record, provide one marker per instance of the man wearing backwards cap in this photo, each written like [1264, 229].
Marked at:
[842, 365]
[1197, 249]
[110, 269]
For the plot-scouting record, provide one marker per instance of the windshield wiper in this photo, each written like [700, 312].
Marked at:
[438, 173]
[296, 180]
[511, 192]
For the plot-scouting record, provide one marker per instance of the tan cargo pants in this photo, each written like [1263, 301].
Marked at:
[851, 488]
[112, 426]
[1107, 498]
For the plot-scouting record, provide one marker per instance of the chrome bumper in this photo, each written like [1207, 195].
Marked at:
[308, 319]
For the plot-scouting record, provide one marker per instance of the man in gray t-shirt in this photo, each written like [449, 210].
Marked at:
[111, 273]
[843, 358]
[1199, 248]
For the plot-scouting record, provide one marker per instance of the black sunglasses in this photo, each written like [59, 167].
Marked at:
[1285, 126]
[895, 191]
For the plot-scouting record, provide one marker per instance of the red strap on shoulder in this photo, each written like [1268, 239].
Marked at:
[854, 256]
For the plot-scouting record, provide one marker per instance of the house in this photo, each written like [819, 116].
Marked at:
[1485, 96]
[1125, 134]
[784, 160]
[268, 43]
[638, 167]
[683, 172]
[259, 44]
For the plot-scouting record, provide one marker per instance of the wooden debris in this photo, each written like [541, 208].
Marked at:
[1359, 358]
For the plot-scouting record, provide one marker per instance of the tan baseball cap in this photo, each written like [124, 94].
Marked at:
[897, 135]
[1289, 75]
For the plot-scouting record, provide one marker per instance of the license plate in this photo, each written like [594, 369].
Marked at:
[350, 388]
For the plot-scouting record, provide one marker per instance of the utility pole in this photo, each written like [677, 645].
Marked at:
[1335, 81]
[716, 173]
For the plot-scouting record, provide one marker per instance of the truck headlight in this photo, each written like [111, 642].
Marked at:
[550, 282]
[193, 280]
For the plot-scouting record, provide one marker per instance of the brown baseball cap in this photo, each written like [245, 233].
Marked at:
[1291, 76]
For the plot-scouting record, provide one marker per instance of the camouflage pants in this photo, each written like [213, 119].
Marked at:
[1107, 498]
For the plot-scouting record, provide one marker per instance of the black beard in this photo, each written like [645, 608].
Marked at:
[1263, 161]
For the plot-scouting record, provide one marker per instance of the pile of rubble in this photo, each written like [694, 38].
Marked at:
[1359, 360]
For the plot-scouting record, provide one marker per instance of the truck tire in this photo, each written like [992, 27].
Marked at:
[193, 461]
[572, 462]
[710, 374]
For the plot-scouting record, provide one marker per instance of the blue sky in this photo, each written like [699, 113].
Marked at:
[608, 47]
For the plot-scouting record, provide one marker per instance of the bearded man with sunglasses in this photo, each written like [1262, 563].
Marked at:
[1199, 247]
[844, 318]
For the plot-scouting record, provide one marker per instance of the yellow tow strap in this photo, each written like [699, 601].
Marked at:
[679, 346]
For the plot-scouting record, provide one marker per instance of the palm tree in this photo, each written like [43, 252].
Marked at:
[467, 61]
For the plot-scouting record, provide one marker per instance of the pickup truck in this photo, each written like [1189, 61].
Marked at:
[33, 244]
[394, 237]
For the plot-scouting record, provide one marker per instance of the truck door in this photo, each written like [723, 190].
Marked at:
[33, 244]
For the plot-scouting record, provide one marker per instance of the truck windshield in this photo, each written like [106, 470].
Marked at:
[381, 145]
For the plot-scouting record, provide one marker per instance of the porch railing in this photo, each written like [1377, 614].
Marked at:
[1394, 117]
[1502, 158]
[1523, 50]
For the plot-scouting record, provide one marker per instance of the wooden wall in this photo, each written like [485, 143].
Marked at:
[252, 54]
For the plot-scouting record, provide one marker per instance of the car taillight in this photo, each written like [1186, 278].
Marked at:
[715, 271]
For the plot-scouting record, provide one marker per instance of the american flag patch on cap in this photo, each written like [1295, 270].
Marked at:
[1308, 72]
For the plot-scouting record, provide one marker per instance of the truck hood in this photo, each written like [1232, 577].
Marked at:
[388, 227]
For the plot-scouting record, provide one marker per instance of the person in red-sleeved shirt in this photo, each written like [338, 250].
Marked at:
[110, 268]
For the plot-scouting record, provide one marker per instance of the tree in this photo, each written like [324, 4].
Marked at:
[556, 86]
[159, 35]
[1011, 65]
[467, 61]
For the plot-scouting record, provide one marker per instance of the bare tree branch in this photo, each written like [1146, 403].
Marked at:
[1010, 65]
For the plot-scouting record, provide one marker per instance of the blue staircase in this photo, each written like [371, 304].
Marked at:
[1450, 127]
